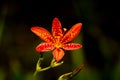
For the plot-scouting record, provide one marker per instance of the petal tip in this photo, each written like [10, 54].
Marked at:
[79, 25]
[34, 28]
[55, 18]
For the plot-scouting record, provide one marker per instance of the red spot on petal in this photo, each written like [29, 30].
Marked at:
[72, 33]
[58, 54]
[72, 46]
[43, 34]
[44, 47]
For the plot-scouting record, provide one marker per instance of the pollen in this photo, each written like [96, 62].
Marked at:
[58, 45]
[64, 29]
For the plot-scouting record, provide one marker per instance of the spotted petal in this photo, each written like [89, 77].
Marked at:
[44, 47]
[43, 34]
[72, 33]
[72, 46]
[58, 54]
[57, 29]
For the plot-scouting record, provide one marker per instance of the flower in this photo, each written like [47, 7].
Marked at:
[58, 40]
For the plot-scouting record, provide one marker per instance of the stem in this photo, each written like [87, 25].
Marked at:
[39, 69]
[77, 70]
[44, 69]
[69, 75]
[35, 73]
[55, 64]
[65, 76]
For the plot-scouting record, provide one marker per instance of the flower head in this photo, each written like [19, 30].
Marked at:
[57, 41]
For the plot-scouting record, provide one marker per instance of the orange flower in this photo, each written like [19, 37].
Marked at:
[58, 39]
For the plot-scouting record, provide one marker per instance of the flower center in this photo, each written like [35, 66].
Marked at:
[58, 45]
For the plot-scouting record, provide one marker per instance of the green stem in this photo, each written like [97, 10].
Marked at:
[55, 64]
[39, 69]
[65, 76]
[35, 73]
[77, 70]
[44, 69]
[69, 75]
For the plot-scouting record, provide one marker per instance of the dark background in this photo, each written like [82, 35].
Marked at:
[99, 37]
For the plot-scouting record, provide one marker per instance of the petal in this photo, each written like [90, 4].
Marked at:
[57, 29]
[44, 47]
[72, 33]
[58, 54]
[42, 33]
[72, 46]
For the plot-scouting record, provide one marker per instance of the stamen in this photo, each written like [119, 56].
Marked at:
[64, 30]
